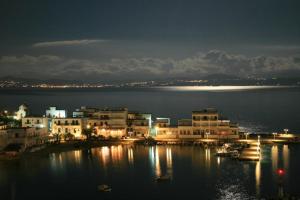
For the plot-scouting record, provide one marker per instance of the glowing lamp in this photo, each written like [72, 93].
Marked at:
[280, 172]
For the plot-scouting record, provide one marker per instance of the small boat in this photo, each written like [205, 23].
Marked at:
[163, 178]
[222, 152]
[104, 188]
[235, 154]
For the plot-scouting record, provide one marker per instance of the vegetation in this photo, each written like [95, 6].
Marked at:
[88, 133]
[11, 122]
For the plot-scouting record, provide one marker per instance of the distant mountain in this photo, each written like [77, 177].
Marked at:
[212, 79]
[220, 76]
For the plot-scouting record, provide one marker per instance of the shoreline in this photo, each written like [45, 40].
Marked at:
[79, 145]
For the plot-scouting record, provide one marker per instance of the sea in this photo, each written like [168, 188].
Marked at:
[131, 170]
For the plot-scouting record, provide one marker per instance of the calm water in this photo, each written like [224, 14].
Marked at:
[258, 110]
[131, 172]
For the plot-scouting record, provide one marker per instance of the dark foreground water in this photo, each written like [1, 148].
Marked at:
[255, 109]
[131, 170]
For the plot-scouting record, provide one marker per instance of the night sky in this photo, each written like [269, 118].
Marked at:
[148, 39]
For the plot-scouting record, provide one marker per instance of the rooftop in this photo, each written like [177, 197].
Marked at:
[207, 110]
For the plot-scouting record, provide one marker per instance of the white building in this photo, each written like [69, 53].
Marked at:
[22, 112]
[53, 112]
[35, 122]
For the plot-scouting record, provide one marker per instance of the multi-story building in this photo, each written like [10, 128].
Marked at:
[66, 126]
[207, 123]
[22, 138]
[84, 111]
[36, 122]
[53, 112]
[139, 124]
[164, 129]
[109, 122]
[185, 129]
[210, 124]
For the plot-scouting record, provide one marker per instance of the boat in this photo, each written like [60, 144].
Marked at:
[222, 152]
[235, 154]
[163, 178]
[104, 188]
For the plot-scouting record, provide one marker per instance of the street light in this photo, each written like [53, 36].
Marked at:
[246, 135]
[274, 134]
[286, 130]
[88, 126]
[207, 133]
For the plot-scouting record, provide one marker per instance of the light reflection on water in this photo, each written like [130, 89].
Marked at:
[219, 178]
[169, 162]
[130, 156]
[285, 156]
[258, 177]
[219, 88]
[157, 164]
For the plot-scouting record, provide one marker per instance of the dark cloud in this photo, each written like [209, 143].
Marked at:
[212, 62]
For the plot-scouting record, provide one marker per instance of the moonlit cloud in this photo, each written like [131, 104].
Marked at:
[201, 64]
[67, 43]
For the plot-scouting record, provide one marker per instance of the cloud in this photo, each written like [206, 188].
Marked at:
[67, 43]
[280, 47]
[196, 66]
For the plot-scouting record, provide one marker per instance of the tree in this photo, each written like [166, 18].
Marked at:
[69, 136]
[88, 133]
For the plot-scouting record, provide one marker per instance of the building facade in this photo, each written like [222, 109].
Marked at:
[139, 124]
[53, 112]
[24, 137]
[206, 123]
[66, 126]
[109, 122]
[36, 122]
